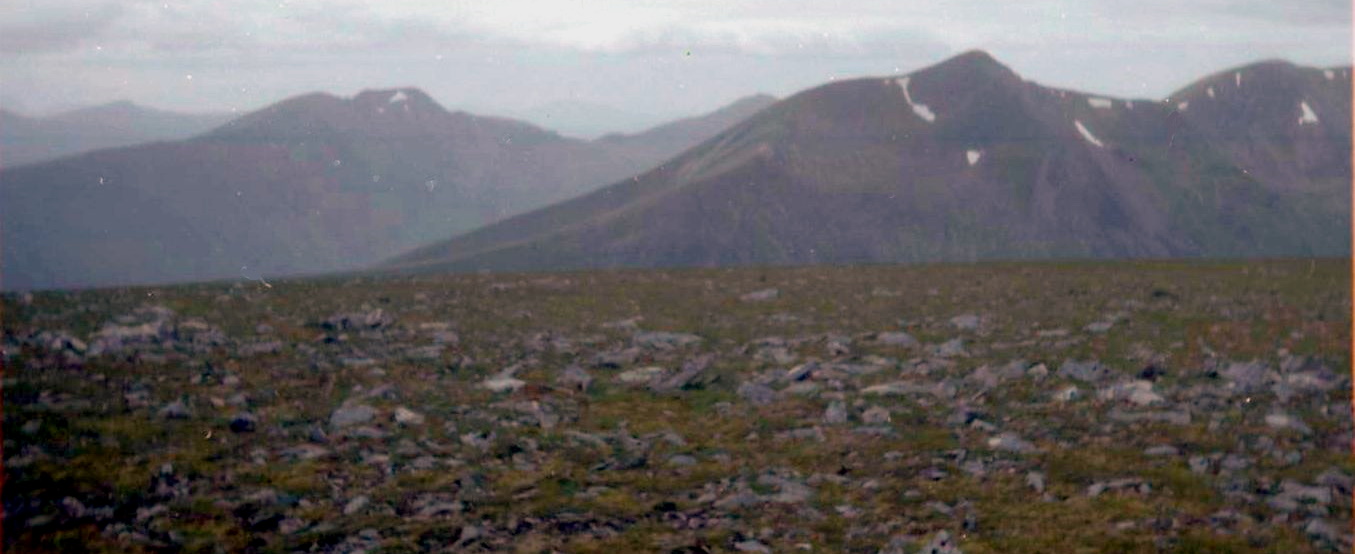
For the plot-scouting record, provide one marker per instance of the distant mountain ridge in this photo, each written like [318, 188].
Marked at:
[310, 184]
[25, 140]
[964, 161]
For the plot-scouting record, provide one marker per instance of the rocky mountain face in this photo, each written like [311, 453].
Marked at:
[314, 183]
[25, 140]
[967, 161]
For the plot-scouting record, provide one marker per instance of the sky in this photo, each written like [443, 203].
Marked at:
[640, 59]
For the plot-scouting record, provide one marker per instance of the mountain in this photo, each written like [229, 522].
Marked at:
[670, 138]
[965, 160]
[25, 140]
[313, 183]
[581, 119]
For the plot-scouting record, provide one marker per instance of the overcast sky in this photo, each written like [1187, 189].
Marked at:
[655, 58]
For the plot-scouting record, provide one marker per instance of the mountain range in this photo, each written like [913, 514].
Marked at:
[314, 183]
[26, 140]
[963, 161]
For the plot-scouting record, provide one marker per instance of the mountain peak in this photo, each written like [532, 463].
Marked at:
[412, 97]
[970, 65]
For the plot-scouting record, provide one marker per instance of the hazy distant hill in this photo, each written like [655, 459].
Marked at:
[312, 183]
[26, 139]
[965, 160]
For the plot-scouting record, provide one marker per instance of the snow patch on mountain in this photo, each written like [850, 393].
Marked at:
[1329, 74]
[921, 110]
[1100, 103]
[1087, 135]
[973, 156]
[399, 96]
[1308, 116]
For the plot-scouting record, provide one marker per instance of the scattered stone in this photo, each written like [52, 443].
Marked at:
[756, 393]
[574, 377]
[876, 415]
[941, 543]
[802, 371]
[751, 546]
[836, 414]
[661, 340]
[1138, 393]
[355, 505]
[1009, 442]
[1036, 480]
[1099, 327]
[689, 372]
[1285, 422]
[896, 338]
[503, 383]
[1088, 372]
[175, 410]
[949, 349]
[1162, 450]
[761, 295]
[349, 416]
[639, 376]
[407, 417]
[244, 422]
[966, 322]
[1069, 393]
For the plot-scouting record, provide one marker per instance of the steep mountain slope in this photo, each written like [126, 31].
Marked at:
[313, 183]
[961, 161]
[25, 140]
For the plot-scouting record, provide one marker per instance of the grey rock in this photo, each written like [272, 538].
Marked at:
[1036, 480]
[756, 393]
[358, 321]
[244, 422]
[949, 349]
[1245, 377]
[503, 383]
[941, 543]
[689, 372]
[751, 546]
[1138, 393]
[1334, 477]
[407, 417]
[349, 416]
[305, 452]
[681, 460]
[876, 415]
[802, 371]
[641, 375]
[574, 377]
[1009, 442]
[1285, 422]
[966, 322]
[1199, 465]
[663, 340]
[355, 505]
[1174, 417]
[1069, 393]
[1099, 327]
[761, 295]
[836, 413]
[1162, 450]
[896, 338]
[616, 359]
[1089, 372]
[175, 410]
